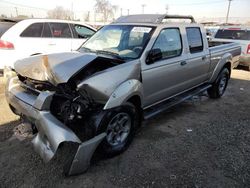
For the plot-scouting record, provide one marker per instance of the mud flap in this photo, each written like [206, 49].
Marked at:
[85, 151]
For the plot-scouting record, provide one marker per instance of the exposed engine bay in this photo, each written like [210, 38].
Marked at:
[73, 110]
[70, 106]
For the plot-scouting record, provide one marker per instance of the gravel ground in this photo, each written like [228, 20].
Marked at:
[200, 143]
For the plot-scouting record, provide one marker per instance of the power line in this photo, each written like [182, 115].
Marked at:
[16, 11]
[199, 3]
[26, 6]
[143, 6]
[32, 7]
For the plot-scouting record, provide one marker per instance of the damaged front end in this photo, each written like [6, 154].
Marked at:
[35, 105]
[65, 105]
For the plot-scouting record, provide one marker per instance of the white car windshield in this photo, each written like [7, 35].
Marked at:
[122, 41]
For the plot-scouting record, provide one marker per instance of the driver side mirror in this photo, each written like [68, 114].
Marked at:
[154, 55]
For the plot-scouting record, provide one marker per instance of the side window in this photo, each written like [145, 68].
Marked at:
[81, 31]
[34, 30]
[60, 30]
[46, 31]
[169, 42]
[194, 39]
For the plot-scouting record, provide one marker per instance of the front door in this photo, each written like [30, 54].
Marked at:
[165, 77]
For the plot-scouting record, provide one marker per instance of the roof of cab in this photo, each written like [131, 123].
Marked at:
[151, 18]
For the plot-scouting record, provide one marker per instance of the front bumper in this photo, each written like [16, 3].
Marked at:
[51, 132]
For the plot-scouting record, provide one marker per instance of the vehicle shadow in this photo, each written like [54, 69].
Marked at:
[240, 67]
[7, 129]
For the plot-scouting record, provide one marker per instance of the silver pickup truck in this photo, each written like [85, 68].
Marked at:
[128, 71]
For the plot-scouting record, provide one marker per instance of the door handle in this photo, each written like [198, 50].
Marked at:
[183, 63]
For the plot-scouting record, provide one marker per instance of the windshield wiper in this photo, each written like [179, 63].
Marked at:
[116, 55]
[87, 49]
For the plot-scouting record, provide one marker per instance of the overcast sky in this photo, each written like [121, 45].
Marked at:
[197, 8]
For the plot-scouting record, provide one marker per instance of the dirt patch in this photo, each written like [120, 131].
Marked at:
[200, 143]
[2, 84]
[6, 116]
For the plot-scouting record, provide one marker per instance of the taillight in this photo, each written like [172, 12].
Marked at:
[6, 45]
[248, 49]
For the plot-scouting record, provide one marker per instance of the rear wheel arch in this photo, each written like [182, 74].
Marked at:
[228, 65]
[219, 86]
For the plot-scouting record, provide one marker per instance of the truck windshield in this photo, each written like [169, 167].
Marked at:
[122, 41]
[233, 34]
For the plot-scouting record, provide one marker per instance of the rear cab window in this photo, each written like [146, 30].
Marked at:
[194, 38]
[233, 33]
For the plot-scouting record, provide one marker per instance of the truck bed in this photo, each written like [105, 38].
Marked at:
[217, 43]
[217, 49]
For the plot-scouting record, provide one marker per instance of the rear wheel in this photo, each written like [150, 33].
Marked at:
[219, 86]
[120, 125]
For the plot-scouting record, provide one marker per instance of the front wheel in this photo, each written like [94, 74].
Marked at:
[120, 125]
[219, 86]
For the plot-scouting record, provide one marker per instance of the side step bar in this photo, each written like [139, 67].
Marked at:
[161, 107]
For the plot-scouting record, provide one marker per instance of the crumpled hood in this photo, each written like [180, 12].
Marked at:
[54, 68]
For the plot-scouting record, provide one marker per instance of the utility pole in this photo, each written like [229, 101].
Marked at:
[128, 11]
[143, 6]
[16, 12]
[228, 9]
[72, 12]
[166, 8]
[121, 11]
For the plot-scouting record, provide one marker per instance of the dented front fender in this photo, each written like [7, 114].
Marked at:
[124, 92]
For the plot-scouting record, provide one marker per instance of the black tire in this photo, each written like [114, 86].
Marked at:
[105, 147]
[219, 86]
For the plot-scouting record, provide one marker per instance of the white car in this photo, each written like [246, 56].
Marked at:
[39, 36]
[239, 34]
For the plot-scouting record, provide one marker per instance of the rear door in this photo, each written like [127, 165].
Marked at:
[199, 60]
[80, 34]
